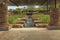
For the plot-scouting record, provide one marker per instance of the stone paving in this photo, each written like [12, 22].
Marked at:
[30, 34]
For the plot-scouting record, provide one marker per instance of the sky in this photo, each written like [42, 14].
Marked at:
[14, 7]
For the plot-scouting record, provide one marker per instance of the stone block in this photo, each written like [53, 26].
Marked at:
[53, 27]
[17, 26]
[4, 28]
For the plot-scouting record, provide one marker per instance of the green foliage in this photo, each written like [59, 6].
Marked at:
[11, 18]
[43, 18]
[31, 7]
[42, 8]
[53, 6]
[58, 6]
[18, 9]
[15, 11]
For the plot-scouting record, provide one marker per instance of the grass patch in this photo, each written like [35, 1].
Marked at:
[11, 18]
[43, 18]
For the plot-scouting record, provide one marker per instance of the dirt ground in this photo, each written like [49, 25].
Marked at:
[30, 34]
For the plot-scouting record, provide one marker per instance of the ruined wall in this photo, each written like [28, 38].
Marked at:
[54, 17]
[3, 16]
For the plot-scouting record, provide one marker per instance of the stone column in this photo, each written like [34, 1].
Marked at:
[54, 19]
[3, 17]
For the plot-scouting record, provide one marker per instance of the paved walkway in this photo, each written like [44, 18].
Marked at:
[30, 34]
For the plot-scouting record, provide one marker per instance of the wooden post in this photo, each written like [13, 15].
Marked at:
[55, 3]
[3, 16]
[47, 5]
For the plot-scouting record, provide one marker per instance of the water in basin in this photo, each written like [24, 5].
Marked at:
[29, 23]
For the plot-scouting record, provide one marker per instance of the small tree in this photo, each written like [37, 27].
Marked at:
[31, 7]
[17, 11]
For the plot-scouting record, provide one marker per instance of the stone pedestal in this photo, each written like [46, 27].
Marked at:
[54, 19]
[3, 17]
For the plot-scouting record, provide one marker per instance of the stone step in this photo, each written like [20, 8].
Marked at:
[38, 21]
[41, 25]
[35, 18]
[23, 19]
[18, 26]
[18, 19]
[20, 22]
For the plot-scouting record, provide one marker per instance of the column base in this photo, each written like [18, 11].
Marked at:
[53, 27]
[4, 28]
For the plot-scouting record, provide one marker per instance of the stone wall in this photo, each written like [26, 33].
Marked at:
[54, 17]
[3, 16]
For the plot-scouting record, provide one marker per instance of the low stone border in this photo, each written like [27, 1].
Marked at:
[53, 27]
[4, 28]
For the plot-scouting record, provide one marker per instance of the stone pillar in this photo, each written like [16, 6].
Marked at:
[54, 19]
[3, 17]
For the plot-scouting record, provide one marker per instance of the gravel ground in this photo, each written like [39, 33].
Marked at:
[30, 34]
